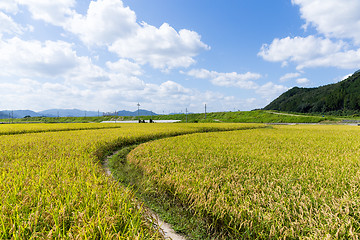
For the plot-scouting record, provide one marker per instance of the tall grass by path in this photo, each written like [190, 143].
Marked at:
[288, 182]
[52, 186]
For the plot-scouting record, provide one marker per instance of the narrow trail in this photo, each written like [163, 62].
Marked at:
[165, 228]
[287, 114]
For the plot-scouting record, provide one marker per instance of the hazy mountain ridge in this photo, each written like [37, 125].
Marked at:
[18, 113]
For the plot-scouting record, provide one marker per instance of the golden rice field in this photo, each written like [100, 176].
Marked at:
[10, 129]
[52, 185]
[285, 182]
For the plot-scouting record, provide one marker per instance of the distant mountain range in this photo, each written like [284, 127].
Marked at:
[69, 113]
[341, 97]
[18, 114]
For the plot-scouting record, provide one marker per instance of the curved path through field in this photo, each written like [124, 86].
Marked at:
[165, 228]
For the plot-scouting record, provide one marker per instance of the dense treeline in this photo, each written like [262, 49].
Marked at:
[342, 98]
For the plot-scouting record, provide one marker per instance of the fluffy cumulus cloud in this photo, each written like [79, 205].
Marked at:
[173, 97]
[270, 90]
[163, 48]
[38, 73]
[109, 23]
[267, 91]
[333, 18]
[35, 58]
[311, 51]
[346, 60]
[27, 92]
[302, 81]
[125, 66]
[300, 50]
[105, 22]
[9, 26]
[337, 44]
[168, 96]
[232, 79]
[84, 85]
[54, 12]
[54, 61]
[288, 76]
[10, 6]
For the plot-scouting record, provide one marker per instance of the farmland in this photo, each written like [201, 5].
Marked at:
[224, 180]
[11, 129]
[295, 182]
[52, 184]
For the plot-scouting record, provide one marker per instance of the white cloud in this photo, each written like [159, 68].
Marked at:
[52, 61]
[336, 21]
[173, 97]
[201, 73]
[289, 76]
[125, 66]
[232, 79]
[168, 96]
[38, 73]
[299, 49]
[52, 73]
[7, 25]
[311, 52]
[54, 12]
[170, 87]
[86, 74]
[163, 48]
[9, 6]
[333, 18]
[105, 22]
[346, 60]
[109, 23]
[34, 58]
[27, 92]
[302, 81]
[270, 91]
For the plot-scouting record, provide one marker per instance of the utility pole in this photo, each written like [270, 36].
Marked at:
[138, 111]
[205, 110]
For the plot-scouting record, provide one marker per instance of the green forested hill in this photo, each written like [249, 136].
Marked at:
[341, 97]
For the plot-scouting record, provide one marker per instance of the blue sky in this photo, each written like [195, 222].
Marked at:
[170, 55]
